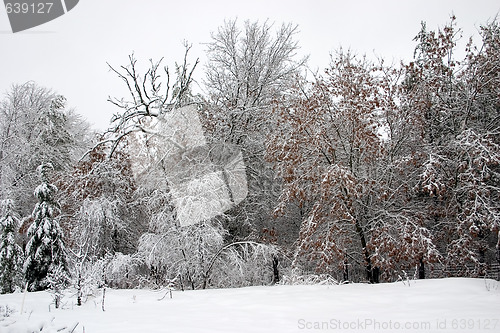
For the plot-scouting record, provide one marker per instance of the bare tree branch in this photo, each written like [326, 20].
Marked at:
[149, 96]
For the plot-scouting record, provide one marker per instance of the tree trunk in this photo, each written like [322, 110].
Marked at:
[276, 273]
[421, 269]
[375, 275]
[190, 279]
[79, 290]
[498, 253]
[498, 261]
[181, 282]
[103, 297]
[346, 269]
[482, 254]
[371, 273]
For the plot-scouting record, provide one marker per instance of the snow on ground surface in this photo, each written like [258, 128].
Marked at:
[441, 305]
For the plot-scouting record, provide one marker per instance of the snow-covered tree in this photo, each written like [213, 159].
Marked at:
[346, 166]
[57, 281]
[45, 250]
[98, 200]
[11, 254]
[36, 126]
[251, 64]
[248, 68]
[196, 257]
[101, 216]
[181, 252]
[457, 104]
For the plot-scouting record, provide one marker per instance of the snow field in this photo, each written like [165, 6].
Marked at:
[440, 305]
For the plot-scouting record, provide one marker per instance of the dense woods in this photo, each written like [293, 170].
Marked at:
[367, 171]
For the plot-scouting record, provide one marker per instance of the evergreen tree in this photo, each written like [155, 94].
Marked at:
[45, 250]
[10, 252]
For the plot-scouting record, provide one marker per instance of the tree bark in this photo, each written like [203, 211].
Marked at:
[346, 269]
[79, 290]
[421, 269]
[498, 253]
[372, 274]
[276, 273]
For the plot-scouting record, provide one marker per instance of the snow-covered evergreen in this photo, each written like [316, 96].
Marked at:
[11, 254]
[45, 249]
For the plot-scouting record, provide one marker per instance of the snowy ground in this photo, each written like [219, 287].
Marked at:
[446, 305]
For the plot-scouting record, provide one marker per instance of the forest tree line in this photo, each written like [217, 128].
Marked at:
[367, 171]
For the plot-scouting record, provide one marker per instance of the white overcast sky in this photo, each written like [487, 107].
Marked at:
[69, 54]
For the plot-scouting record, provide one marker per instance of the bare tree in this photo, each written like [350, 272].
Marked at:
[151, 95]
